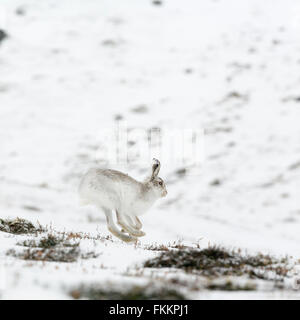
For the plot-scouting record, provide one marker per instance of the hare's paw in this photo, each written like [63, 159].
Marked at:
[140, 233]
[129, 238]
[126, 238]
[136, 233]
[131, 230]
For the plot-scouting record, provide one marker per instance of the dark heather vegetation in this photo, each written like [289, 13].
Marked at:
[148, 292]
[19, 226]
[231, 286]
[216, 261]
[49, 241]
[54, 255]
[3, 35]
[51, 248]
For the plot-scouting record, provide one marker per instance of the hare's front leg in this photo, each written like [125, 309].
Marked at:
[135, 222]
[114, 230]
[138, 223]
[125, 222]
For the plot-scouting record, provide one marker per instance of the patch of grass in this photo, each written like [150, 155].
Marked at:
[181, 172]
[51, 249]
[216, 261]
[49, 241]
[3, 35]
[32, 208]
[140, 109]
[163, 247]
[178, 245]
[147, 292]
[19, 226]
[83, 236]
[54, 255]
[156, 247]
[231, 286]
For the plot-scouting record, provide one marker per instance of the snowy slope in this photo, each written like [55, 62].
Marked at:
[231, 68]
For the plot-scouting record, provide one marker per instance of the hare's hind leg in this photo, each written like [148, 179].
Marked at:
[126, 223]
[114, 230]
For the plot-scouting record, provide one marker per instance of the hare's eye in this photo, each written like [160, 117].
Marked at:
[160, 183]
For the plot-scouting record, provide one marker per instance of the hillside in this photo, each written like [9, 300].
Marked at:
[70, 70]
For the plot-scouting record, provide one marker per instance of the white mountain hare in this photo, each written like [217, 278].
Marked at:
[112, 190]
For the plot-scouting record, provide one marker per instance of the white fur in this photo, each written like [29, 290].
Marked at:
[112, 190]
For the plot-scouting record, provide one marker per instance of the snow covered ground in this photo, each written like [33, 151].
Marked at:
[70, 68]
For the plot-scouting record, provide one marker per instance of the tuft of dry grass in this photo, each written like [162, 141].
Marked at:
[52, 248]
[19, 226]
[60, 254]
[156, 247]
[163, 247]
[136, 292]
[83, 236]
[54, 255]
[231, 286]
[49, 241]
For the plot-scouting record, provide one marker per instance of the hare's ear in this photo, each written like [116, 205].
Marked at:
[155, 169]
